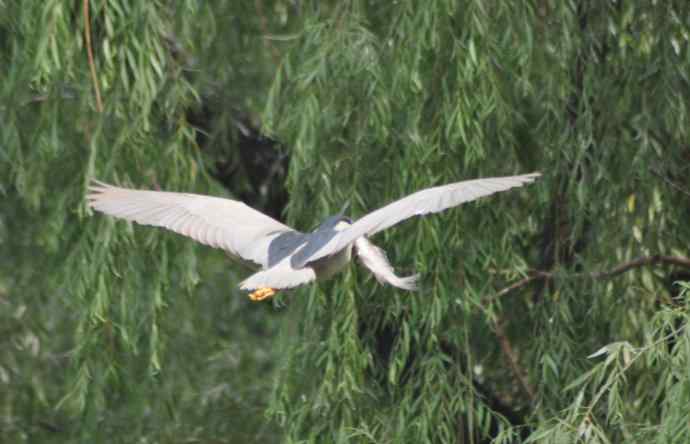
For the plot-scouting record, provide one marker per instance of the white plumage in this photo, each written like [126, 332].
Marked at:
[288, 258]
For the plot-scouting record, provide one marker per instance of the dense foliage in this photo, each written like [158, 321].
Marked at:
[555, 313]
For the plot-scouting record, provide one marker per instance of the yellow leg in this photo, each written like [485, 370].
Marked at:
[261, 294]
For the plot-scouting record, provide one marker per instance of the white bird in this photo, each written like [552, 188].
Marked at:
[288, 258]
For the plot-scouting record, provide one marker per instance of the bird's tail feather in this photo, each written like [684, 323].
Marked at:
[374, 258]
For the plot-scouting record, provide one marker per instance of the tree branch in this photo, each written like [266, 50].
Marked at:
[670, 183]
[89, 51]
[264, 27]
[506, 346]
[598, 275]
[536, 276]
[637, 263]
[512, 358]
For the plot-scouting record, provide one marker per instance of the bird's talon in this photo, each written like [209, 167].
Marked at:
[261, 294]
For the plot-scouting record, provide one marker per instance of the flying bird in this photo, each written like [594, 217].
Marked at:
[287, 258]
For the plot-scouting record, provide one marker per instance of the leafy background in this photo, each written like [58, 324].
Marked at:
[556, 313]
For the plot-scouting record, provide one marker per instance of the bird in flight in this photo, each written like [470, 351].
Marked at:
[287, 258]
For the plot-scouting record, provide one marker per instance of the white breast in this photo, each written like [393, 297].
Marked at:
[327, 267]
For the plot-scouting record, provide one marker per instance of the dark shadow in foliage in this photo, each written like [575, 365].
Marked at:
[559, 244]
[243, 150]
[381, 340]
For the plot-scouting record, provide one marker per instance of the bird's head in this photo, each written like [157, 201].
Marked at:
[336, 222]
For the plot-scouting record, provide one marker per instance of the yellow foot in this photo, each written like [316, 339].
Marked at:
[261, 294]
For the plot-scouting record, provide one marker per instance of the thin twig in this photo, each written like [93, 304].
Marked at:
[536, 276]
[505, 343]
[89, 51]
[264, 28]
[513, 361]
[599, 275]
[640, 262]
[670, 183]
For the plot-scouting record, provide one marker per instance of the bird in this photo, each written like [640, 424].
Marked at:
[287, 258]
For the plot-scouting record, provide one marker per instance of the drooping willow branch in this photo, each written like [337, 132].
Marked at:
[89, 52]
[506, 346]
[599, 275]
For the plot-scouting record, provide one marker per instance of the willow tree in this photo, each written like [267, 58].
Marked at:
[555, 313]
[377, 99]
[112, 334]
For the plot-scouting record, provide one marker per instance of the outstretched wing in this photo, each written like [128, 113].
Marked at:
[222, 223]
[430, 200]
